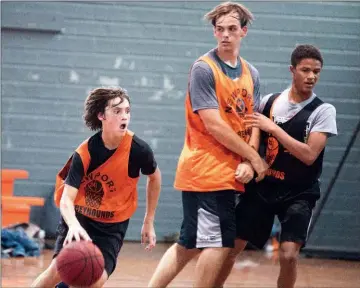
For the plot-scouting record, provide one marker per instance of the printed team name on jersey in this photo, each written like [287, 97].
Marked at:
[238, 103]
[98, 176]
[94, 212]
[276, 174]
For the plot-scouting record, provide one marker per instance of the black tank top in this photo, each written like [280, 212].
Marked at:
[284, 167]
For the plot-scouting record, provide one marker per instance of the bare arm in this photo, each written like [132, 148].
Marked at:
[67, 208]
[245, 172]
[152, 194]
[223, 133]
[305, 152]
[255, 138]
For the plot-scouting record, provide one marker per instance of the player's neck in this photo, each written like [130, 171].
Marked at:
[228, 56]
[296, 96]
[111, 141]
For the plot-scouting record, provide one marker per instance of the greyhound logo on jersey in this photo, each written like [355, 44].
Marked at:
[94, 191]
[237, 101]
[272, 150]
[94, 194]
[241, 108]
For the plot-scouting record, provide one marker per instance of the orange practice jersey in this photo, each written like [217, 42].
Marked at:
[106, 194]
[204, 164]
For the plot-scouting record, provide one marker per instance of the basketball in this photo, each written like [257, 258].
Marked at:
[80, 264]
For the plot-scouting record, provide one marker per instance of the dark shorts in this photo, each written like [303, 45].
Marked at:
[261, 202]
[108, 237]
[209, 219]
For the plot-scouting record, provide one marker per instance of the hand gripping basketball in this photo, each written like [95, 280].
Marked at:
[77, 232]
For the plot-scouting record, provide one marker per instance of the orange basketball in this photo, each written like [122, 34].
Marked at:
[80, 264]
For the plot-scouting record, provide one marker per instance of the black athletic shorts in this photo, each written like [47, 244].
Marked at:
[108, 237]
[256, 210]
[209, 219]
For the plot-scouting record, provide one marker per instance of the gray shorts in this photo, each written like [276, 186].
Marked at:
[209, 219]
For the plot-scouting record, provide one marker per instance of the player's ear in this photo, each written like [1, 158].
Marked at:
[292, 69]
[101, 116]
[245, 30]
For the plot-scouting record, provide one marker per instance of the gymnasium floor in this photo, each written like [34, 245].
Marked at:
[253, 269]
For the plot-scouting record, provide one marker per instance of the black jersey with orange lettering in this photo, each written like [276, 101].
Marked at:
[284, 167]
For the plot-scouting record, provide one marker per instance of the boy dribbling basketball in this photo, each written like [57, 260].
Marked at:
[97, 188]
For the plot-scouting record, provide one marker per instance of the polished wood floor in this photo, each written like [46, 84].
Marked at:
[253, 269]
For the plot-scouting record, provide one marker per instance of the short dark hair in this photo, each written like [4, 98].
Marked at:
[305, 51]
[245, 16]
[96, 103]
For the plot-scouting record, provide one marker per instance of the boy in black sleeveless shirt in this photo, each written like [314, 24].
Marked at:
[295, 126]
